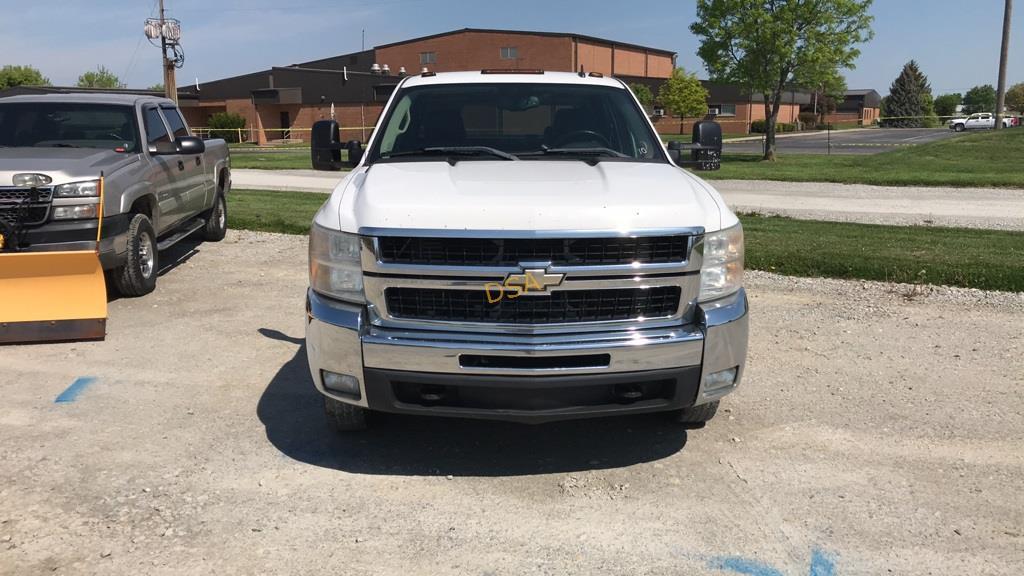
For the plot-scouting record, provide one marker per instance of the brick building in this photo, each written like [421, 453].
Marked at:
[283, 102]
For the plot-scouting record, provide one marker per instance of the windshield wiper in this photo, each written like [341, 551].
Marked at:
[64, 145]
[591, 155]
[452, 151]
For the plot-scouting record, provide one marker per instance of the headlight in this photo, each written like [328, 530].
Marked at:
[77, 189]
[335, 268]
[75, 212]
[721, 272]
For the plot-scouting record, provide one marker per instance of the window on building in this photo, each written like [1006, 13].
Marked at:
[509, 53]
[428, 58]
[722, 109]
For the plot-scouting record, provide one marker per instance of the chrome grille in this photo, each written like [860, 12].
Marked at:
[560, 307]
[32, 206]
[512, 251]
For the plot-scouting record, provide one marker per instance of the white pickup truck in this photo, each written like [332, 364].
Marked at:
[522, 246]
[980, 121]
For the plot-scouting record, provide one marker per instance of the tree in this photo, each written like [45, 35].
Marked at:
[11, 75]
[946, 104]
[767, 45]
[643, 93]
[683, 95]
[980, 99]
[910, 103]
[1015, 97]
[226, 125]
[100, 78]
[157, 87]
[828, 94]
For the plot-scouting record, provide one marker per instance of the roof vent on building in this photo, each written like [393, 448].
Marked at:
[385, 70]
[375, 69]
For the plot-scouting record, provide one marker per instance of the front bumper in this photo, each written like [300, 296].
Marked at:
[71, 235]
[527, 378]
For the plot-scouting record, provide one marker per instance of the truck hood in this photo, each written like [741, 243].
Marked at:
[524, 195]
[61, 164]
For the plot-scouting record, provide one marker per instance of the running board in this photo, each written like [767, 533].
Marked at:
[178, 236]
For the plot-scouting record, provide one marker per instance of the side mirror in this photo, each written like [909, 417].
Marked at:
[190, 145]
[675, 151]
[355, 152]
[162, 148]
[325, 145]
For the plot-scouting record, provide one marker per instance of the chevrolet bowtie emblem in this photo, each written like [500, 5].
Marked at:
[530, 281]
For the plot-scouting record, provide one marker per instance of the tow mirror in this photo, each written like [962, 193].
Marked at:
[705, 149]
[162, 148]
[325, 145]
[190, 145]
[355, 152]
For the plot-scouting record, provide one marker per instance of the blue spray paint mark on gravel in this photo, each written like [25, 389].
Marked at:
[744, 566]
[76, 388]
[822, 564]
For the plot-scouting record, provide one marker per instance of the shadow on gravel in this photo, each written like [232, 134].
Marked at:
[292, 413]
[170, 259]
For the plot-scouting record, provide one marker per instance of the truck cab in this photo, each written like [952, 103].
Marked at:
[522, 246]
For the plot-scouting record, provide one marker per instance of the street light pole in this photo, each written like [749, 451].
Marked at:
[1003, 56]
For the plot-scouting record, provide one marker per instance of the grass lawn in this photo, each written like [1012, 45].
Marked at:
[290, 159]
[945, 256]
[990, 158]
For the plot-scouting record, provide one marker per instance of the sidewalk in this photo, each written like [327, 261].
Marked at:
[988, 208]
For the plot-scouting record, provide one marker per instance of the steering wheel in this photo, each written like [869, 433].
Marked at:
[574, 136]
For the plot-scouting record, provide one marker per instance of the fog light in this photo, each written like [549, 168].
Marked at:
[75, 212]
[345, 384]
[720, 380]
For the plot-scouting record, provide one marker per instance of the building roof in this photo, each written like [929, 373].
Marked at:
[530, 33]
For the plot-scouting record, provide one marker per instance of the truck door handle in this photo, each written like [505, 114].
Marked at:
[181, 165]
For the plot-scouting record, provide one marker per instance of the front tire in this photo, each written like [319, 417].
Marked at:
[216, 220]
[696, 416]
[958, 128]
[137, 276]
[342, 417]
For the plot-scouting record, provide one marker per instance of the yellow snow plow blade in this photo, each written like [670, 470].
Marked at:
[52, 296]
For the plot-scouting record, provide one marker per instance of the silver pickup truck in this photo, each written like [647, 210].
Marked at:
[159, 183]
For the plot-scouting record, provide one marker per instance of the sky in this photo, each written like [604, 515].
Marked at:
[956, 43]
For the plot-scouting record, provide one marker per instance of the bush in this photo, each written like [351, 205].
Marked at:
[808, 118]
[758, 127]
[226, 125]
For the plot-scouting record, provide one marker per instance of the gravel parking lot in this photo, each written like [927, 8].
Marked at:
[879, 431]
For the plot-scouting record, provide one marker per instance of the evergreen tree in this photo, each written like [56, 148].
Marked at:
[910, 103]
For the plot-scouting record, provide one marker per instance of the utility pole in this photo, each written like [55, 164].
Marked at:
[1003, 56]
[168, 30]
[170, 88]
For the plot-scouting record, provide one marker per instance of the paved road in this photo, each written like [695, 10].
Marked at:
[964, 207]
[874, 434]
[868, 141]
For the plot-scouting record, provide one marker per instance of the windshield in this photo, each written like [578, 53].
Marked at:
[68, 125]
[529, 121]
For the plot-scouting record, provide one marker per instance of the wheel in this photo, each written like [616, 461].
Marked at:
[137, 276]
[342, 417]
[958, 128]
[216, 220]
[696, 415]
